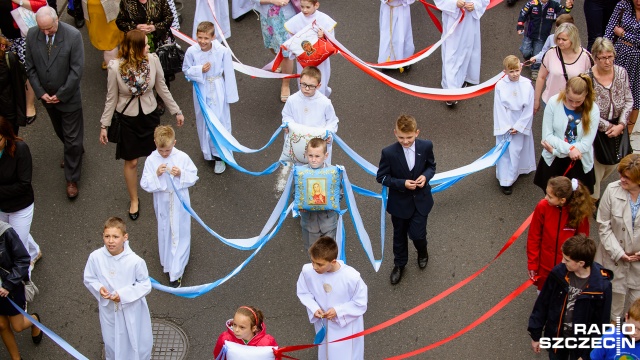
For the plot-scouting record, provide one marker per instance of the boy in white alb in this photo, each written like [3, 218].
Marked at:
[203, 13]
[308, 14]
[333, 292]
[310, 107]
[119, 280]
[396, 35]
[209, 65]
[165, 165]
[461, 51]
[513, 113]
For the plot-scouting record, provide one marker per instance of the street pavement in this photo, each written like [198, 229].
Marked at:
[468, 225]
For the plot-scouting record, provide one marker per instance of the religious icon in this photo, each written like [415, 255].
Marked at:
[307, 47]
[316, 191]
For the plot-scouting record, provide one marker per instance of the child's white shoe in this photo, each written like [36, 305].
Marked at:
[220, 167]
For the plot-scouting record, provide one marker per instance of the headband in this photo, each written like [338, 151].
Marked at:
[574, 184]
[253, 312]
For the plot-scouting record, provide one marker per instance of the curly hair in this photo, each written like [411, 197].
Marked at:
[132, 50]
[579, 202]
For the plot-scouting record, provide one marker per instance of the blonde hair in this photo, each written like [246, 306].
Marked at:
[601, 45]
[511, 62]
[573, 34]
[579, 85]
[132, 50]
[164, 135]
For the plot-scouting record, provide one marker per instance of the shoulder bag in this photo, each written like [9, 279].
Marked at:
[30, 289]
[113, 131]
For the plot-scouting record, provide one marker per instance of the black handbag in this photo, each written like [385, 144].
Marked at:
[113, 131]
[610, 150]
[171, 58]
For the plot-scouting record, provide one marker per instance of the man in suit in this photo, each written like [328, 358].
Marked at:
[406, 168]
[54, 62]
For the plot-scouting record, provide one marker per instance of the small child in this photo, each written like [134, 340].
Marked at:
[167, 164]
[513, 113]
[119, 280]
[563, 213]
[310, 107]
[539, 16]
[333, 290]
[309, 13]
[551, 41]
[406, 168]
[396, 35]
[247, 328]
[619, 352]
[316, 224]
[209, 65]
[578, 291]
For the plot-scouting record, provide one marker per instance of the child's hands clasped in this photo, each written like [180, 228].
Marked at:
[206, 67]
[319, 313]
[161, 169]
[469, 6]
[460, 4]
[329, 315]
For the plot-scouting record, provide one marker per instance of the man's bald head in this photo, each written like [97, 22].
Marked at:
[47, 20]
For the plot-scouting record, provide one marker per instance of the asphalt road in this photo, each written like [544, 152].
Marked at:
[467, 227]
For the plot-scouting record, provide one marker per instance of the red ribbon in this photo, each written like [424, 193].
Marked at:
[429, 302]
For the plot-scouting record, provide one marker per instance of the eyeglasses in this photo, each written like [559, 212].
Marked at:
[308, 86]
[605, 58]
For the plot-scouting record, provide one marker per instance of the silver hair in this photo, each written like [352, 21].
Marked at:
[47, 11]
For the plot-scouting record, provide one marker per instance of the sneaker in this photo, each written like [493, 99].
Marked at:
[176, 284]
[220, 167]
[451, 103]
[534, 75]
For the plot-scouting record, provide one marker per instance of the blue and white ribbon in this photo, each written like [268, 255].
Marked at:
[53, 336]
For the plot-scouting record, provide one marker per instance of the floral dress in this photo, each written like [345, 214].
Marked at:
[272, 19]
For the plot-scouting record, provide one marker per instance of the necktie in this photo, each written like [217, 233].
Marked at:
[411, 159]
[49, 45]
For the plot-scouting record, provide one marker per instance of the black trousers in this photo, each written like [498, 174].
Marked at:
[597, 14]
[69, 127]
[414, 228]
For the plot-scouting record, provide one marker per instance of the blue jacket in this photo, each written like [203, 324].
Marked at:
[393, 171]
[540, 18]
[593, 305]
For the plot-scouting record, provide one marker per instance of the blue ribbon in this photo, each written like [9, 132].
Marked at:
[321, 334]
[55, 337]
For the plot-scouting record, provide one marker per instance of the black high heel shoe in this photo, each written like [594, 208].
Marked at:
[31, 119]
[134, 216]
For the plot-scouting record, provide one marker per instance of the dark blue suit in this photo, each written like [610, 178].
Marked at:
[409, 209]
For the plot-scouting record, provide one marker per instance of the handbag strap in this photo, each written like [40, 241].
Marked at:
[564, 69]
[129, 102]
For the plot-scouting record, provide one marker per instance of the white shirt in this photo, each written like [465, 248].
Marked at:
[410, 155]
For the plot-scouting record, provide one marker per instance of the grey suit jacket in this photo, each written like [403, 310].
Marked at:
[58, 74]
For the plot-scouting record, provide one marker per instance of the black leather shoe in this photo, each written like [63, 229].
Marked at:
[31, 119]
[396, 274]
[507, 190]
[134, 216]
[423, 259]
[38, 338]
[79, 22]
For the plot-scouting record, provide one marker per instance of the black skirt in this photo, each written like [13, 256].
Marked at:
[136, 135]
[18, 297]
[558, 167]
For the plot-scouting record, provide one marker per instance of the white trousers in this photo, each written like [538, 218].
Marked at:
[20, 221]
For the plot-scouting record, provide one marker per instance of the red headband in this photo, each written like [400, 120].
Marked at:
[253, 312]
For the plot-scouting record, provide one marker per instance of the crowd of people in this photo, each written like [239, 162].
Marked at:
[590, 98]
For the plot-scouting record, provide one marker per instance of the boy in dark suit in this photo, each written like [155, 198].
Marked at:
[406, 168]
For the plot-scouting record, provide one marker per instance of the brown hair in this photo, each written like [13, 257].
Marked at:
[254, 314]
[318, 143]
[629, 167]
[7, 44]
[206, 27]
[601, 45]
[312, 72]
[164, 135]
[116, 222]
[564, 18]
[579, 202]
[511, 62]
[406, 123]
[580, 248]
[10, 138]
[132, 50]
[634, 310]
[580, 85]
[324, 248]
[311, 1]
